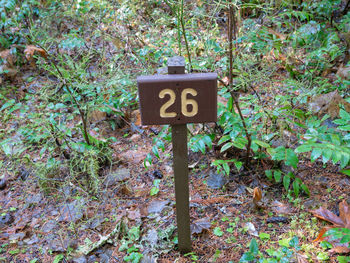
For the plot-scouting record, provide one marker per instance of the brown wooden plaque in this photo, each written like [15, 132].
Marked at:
[178, 98]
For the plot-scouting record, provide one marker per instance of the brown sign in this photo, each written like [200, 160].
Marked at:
[178, 98]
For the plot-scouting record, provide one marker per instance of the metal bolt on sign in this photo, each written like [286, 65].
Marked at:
[178, 99]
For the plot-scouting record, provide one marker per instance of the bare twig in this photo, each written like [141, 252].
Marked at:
[184, 34]
[234, 95]
[64, 84]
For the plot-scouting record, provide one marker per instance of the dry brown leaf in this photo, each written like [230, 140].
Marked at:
[344, 72]
[97, 116]
[327, 215]
[320, 236]
[342, 221]
[301, 258]
[277, 34]
[7, 57]
[31, 50]
[344, 213]
[281, 208]
[200, 225]
[340, 249]
[257, 195]
[328, 104]
[134, 214]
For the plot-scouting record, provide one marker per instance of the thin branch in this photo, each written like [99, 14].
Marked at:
[184, 34]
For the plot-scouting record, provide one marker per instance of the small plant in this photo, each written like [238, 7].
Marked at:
[155, 188]
[286, 253]
[192, 256]
[288, 180]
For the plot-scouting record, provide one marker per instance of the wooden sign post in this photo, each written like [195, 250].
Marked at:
[177, 99]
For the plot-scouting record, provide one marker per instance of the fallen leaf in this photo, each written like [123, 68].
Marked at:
[257, 195]
[343, 221]
[31, 50]
[251, 229]
[302, 258]
[344, 213]
[7, 57]
[327, 215]
[97, 116]
[134, 214]
[280, 208]
[200, 225]
[328, 104]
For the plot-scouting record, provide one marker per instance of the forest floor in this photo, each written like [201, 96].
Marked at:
[54, 206]
[41, 224]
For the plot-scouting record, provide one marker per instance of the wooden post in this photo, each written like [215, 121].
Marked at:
[176, 65]
[178, 99]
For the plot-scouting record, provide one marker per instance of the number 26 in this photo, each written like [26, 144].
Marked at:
[184, 103]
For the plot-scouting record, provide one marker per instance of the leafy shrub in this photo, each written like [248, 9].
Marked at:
[328, 143]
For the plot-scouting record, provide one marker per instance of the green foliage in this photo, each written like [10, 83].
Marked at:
[340, 234]
[289, 181]
[286, 253]
[155, 188]
[218, 232]
[328, 143]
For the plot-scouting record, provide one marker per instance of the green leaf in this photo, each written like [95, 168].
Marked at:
[262, 144]
[218, 232]
[7, 104]
[326, 155]
[316, 152]
[286, 182]
[344, 128]
[303, 148]
[344, 160]
[208, 141]
[268, 174]
[296, 188]
[154, 191]
[253, 247]
[58, 258]
[238, 164]
[343, 259]
[294, 242]
[264, 236]
[247, 257]
[226, 168]
[291, 158]
[226, 146]
[155, 151]
[284, 242]
[224, 139]
[346, 172]
[345, 239]
[336, 157]
[277, 175]
[305, 189]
